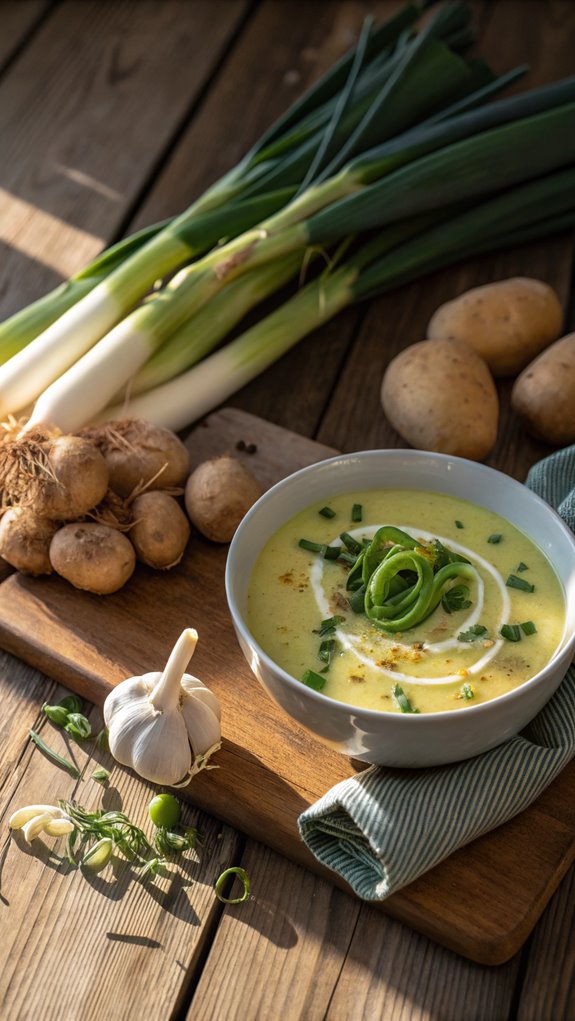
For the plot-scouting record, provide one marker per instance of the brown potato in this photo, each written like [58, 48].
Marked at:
[92, 557]
[218, 494]
[507, 323]
[25, 540]
[439, 395]
[544, 394]
[160, 530]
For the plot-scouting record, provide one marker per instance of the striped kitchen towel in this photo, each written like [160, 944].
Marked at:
[383, 828]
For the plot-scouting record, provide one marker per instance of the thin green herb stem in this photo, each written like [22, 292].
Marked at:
[59, 760]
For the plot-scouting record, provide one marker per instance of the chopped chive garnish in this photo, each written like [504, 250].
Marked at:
[522, 567]
[328, 626]
[331, 552]
[528, 627]
[495, 538]
[357, 512]
[313, 680]
[350, 543]
[53, 756]
[472, 633]
[512, 632]
[327, 649]
[514, 582]
[348, 558]
[467, 692]
[456, 598]
[328, 552]
[402, 700]
[357, 600]
[459, 524]
[327, 512]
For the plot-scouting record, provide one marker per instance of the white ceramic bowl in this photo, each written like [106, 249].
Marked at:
[396, 739]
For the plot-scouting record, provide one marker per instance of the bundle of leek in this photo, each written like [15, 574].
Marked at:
[395, 137]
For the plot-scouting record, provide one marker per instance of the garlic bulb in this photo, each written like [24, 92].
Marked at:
[36, 819]
[164, 725]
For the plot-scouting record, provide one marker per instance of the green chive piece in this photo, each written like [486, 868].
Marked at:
[467, 692]
[102, 740]
[72, 703]
[350, 543]
[402, 700]
[528, 627]
[512, 632]
[313, 547]
[357, 512]
[57, 714]
[328, 626]
[244, 879]
[101, 775]
[522, 567]
[327, 512]
[459, 524]
[472, 633]
[313, 680]
[519, 583]
[78, 726]
[327, 650]
[59, 760]
[331, 552]
[357, 600]
[495, 538]
[456, 598]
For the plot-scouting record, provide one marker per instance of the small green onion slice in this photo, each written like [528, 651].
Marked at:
[456, 598]
[59, 760]
[328, 626]
[313, 680]
[472, 633]
[327, 512]
[519, 583]
[327, 650]
[313, 547]
[350, 543]
[495, 538]
[78, 726]
[244, 879]
[459, 524]
[357, 512]
[57, 714]
[101, 775]
[402, 700]
[512, 632]
[522, 567]
[528, 627]
[467, 692]
[331, 552]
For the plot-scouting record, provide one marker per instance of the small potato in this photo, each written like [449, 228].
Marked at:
[439, 395]
[508, 323]
[92, 557]
[218, 494]
[160, 531]
[25, 540]
[544, 394]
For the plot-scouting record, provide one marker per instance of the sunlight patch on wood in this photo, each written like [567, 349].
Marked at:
[44, 237]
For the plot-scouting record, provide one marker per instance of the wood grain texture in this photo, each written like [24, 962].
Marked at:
[272, 769]
[86, 113]
[19, 18]
[548, 991]
[108, 927]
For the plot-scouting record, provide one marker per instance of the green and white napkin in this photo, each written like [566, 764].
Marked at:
[383, 828]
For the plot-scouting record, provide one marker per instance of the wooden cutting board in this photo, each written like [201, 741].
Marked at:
[482, 902]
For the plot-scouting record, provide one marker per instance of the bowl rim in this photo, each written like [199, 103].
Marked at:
[567, 642]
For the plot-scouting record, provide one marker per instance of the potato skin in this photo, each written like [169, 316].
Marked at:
[544, 394]
[25, 540]
[92, 557]
[78, 479]
[439, 395]
[507, 323]
[218, 494]
[160, 531]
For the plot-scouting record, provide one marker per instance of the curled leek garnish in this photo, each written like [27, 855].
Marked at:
[399, 582]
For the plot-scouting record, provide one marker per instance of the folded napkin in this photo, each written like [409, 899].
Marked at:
[383, 828]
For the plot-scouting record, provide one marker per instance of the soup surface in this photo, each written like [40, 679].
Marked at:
[300, 614]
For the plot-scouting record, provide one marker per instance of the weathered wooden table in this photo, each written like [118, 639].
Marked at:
[113, 115]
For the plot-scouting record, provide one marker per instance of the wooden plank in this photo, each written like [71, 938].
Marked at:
[279, 954]
[85, 115]
[548, 990]
[271, 770]
[73, 944]
[332, 959]
[354, 418]
[18, 20]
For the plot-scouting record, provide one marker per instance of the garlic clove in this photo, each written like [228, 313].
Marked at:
[202, 724]
[161, 750]
[23, 815]
[36, 825]
[59, 827]
[127, 693]
[195, 688]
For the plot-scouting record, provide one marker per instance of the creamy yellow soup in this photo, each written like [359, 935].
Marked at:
[451, 660]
